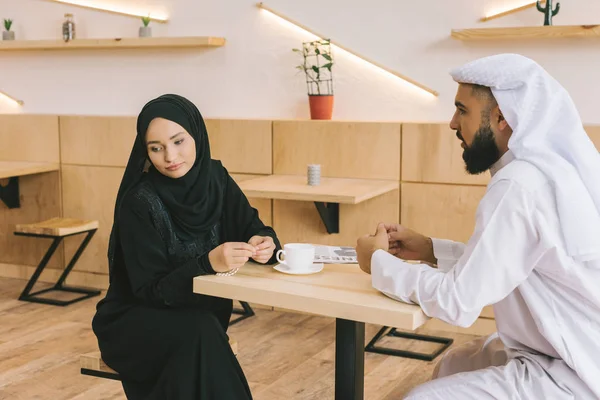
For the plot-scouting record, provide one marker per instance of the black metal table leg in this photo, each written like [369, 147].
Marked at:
[372, 348]
[349, 359]
[26, 295]
[245, 312]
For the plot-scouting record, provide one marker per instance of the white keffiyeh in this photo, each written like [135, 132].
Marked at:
[548, 133]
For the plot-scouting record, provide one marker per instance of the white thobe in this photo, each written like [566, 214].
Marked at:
[546, 305]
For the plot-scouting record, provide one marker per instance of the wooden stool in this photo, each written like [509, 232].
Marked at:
[92, 364]
[57, 229]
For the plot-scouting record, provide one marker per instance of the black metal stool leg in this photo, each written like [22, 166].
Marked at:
[372, 348]
[25, 295]
[245, 312]
[59, 286]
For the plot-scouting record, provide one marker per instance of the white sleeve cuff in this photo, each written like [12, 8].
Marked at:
[447, 252]
[387, 273]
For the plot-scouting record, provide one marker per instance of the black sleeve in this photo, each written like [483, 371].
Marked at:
[241, 220]
[153, 280]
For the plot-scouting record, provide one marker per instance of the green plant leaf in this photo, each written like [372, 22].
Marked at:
[328, 66]
[315, 68]
[296, 50]
[327, 57]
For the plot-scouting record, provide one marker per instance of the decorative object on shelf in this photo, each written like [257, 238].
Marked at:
[145, 31]
[314, 174]
[8, 34]
[319, 79]
[68, 28]
[548, 11]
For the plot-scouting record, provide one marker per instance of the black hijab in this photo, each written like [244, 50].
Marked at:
[195, 200]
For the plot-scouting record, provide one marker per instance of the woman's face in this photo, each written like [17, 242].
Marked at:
[171, 149]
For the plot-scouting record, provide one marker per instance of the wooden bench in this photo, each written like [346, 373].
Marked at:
[93, 365]
[57, 229]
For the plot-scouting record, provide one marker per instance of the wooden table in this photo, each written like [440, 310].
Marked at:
[343, 292]
[327, 196]
[12, 170]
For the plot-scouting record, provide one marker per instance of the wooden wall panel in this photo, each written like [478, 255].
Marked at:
[26, 137]
[369, 150]
[90, 193]
[99, 141]
[243, 146]
[441, 211]
[432, 153]
[594, 134]
[263, 206]
[299, 221]
[40, 200]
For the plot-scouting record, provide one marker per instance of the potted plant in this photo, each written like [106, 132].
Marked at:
[319, 79]
[146, 31]
[8, 34]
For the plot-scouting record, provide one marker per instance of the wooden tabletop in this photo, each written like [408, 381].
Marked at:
[330, 190]
[9, 169]
[339, 291]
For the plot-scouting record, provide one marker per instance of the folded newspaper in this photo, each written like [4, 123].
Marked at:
[335, 254]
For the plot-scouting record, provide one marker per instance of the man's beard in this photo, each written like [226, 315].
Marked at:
[483, 151]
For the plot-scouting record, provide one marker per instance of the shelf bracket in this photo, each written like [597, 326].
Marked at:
[330, 214]
[9, 194]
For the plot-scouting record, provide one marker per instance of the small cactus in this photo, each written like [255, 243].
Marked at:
[146, 20]
[548, 11]
[7, 24]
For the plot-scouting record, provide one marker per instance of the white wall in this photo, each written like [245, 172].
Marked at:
[253, 76]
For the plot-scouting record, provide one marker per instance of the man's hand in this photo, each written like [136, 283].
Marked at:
[368, 244]
[407, 244]
[264, 246]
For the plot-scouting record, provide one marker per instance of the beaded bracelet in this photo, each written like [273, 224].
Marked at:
[228, 273]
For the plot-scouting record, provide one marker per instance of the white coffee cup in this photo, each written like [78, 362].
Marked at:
[297, 256]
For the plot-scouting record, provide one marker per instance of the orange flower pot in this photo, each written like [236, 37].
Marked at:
[321, 107]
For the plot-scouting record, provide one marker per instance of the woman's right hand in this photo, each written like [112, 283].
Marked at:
[409, 245]
[230, 255]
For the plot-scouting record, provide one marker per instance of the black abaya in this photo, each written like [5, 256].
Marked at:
[165, 341]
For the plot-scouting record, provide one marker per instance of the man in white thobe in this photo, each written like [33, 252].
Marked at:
[534, 253]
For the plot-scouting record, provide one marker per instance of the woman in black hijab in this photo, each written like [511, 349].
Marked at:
[178, 215]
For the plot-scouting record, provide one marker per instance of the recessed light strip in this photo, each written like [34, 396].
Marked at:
[97, 5]
[9, 97]
[498, 14]
[346, 49]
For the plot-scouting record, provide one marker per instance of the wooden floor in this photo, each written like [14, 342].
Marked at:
[284, 355]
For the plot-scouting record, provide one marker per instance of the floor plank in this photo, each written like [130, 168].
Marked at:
[284, 355]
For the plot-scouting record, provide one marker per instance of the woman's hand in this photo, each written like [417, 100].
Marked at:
[230, 255]
[264, 246]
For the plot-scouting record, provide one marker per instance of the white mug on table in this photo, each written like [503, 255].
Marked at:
[297, 256]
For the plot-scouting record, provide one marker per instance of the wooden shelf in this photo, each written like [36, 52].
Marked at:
[11, 169]
[9, 193]
[528, 32]
[327, 196]
[331, 190]
[116, 43]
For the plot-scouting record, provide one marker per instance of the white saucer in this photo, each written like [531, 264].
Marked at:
[316, 267]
